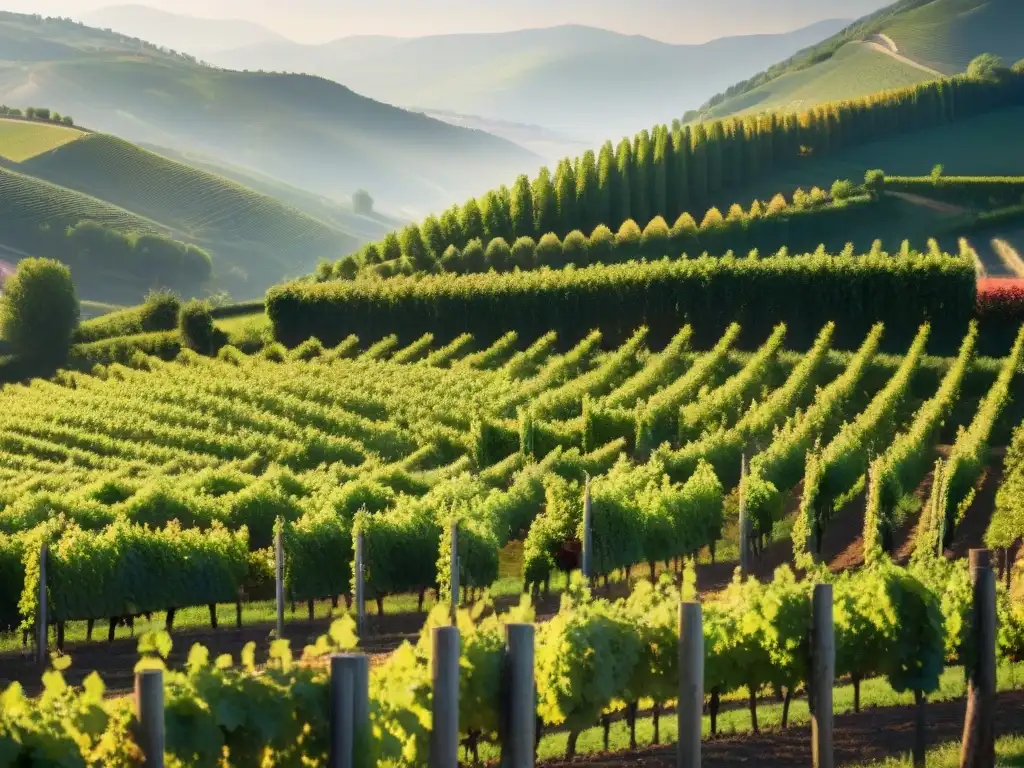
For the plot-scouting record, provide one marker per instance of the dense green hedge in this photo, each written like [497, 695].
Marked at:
[971, 191]
[159, 312]
[163, 344]
[805, 292]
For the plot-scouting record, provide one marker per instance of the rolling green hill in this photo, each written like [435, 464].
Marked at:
[306, 131]
[947, 34]
[855, 70]
[55, 177]
[331, 211]
[907, 42]
[254, 238]
[21, 140]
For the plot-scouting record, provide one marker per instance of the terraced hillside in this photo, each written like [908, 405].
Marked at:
[857, 69]
[56, 177]
[254, 238]
[337, 213]
[307, 131]
[947, 34]
[907, 42]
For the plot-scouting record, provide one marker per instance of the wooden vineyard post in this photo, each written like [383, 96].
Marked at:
[691, 685]
[588, 535]
[519, 707]
[455, 572]
[823, 672]
[360, 588]
[744, 534]
[444, 736]
[149, 709]
[350, 710]
[978, 747]
[42, 620]
[279, 578]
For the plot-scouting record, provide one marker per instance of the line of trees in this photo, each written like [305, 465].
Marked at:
[43, 114]
[671, 169]
[800, 226]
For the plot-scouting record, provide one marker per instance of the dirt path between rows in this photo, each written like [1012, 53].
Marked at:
[948, 209]
[872, 735]
[885, 44]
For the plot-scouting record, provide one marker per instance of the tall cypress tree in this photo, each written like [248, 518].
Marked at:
[545, 204]
[639, 183]
[565, 194]
[605, 183]
[715, 140]
[659, 173]
[587, 216]
[681, 182]
[521, 208]
[451, 226]
[471, 220]
[622, 194]
[699, 167]
[434, 237]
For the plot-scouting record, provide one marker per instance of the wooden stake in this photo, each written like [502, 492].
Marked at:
[978, 750]
[823, 672]
[691, 685]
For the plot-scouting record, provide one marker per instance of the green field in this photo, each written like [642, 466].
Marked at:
[255, 239]
[21, 140]
[984, 145]
[856, 70]
[939, 35]
[947, 34]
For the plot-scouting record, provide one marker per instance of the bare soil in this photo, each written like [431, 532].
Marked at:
[874, 734]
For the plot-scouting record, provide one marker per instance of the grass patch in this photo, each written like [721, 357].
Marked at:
[21, 140]
[1009, 752]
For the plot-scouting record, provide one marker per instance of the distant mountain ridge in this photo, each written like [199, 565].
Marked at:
[199, 37]
[309, 132]
[561, 78]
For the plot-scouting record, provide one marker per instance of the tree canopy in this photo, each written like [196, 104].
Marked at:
[39, 311]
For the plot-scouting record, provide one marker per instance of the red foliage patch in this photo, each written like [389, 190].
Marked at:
[1001, 298]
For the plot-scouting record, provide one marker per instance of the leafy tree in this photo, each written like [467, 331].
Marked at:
[627, 240]
[474, 256]
[498, 255]
[987, 66]
[659, 172]
[545, 203]
[601, 245]
[874, 183]
[471, 221]
[451, 260]
[195, 323]
[362, 203]
[524, 253]
[522, 208]
[1018, 68]
[391, 247]
[415, 250]
[371, 255]
[683, 236]
[549, 251]
[842, 189]
[496, 214]
[39, 311]
[654, 239]
[68, 120]
[451, 226]
[574, 249]
[433, 236]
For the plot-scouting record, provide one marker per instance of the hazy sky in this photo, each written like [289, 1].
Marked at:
[322, 20]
